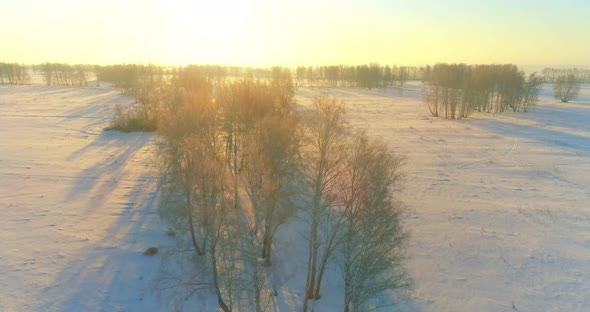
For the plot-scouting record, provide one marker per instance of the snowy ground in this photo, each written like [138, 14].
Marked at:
[77, 204]
[502, 202]
[501, 205]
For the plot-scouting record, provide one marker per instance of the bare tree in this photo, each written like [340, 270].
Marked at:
[96, 69]
[374, 240]
[402, 78]
[323, 156]
[195, 162]
[387, 76]
[531, 91]
[271, 153]
[566, 88]
[47, 72]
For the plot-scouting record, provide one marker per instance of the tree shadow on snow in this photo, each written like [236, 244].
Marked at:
[557, 127]
[99, 180]
[111, 273]
[97, 103]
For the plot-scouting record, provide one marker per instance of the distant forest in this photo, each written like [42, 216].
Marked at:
[363, 76]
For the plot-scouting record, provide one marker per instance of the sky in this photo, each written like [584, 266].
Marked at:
[296, 32]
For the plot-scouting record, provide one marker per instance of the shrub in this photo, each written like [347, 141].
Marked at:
[566, 88]
[131, 120]
[151, 251]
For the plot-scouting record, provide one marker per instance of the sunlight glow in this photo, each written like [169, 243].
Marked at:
[265, 32]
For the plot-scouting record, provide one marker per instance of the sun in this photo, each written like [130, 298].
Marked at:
[209, 32]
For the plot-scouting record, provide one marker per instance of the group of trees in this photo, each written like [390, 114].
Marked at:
[14, 74]
[136, 80]
[566, 81]
[355, 221]
[219, 74]
[243, 161]
[142, 82]
[364, 76]
[577, 74]
[454, 91]
[230, 156]
[126, 76]
[61, 74]
[130, 77]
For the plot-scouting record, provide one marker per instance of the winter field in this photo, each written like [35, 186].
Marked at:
[500, 222]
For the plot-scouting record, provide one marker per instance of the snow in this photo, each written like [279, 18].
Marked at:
[501, 214]
[77, 204]
[501, 201]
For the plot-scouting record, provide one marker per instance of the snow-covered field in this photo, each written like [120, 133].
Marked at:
[501, 204]
[77, 205]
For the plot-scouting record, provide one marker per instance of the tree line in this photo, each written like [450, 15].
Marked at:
[14, 74]
[241, 161]
[363, 76]
[63, 74]
[126, 75]
[554, 74]
[454, 91]
[136, 80]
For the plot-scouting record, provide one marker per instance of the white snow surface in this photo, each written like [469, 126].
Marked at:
[501, 202]
[500, 221]
[77, 204]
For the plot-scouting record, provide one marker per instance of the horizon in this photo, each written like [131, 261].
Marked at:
[261, 33]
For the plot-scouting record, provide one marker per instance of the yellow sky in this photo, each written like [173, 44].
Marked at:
[266, 32]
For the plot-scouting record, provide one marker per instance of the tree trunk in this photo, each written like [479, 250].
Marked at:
[267, 241]
[220, 301]
[191, 225]
[268, 261]
[312, 277]
[324, 263]
[309, 279]
[318, 284]
[313, 243]
[257, 301]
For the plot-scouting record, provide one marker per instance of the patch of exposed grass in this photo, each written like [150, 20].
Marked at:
[132, 120]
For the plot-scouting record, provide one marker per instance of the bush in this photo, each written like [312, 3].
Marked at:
[131, 120]
[152, 251]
